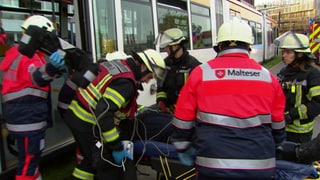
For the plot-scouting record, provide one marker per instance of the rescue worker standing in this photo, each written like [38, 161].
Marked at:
[229, 115]
[180, 64]
[157, 125]
[96, 112]
[26, 96]
[300, 80]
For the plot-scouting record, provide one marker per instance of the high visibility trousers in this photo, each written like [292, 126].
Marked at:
[29, 154]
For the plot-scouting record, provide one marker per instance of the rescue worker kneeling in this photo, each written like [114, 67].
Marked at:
[96, 111]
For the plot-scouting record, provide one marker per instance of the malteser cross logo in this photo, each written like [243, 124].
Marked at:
[220, 73]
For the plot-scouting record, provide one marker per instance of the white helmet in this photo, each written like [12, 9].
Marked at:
[154, 62]
[116, 55]
[235, 30]
[171, 37]
[38, 20]
[294, 41]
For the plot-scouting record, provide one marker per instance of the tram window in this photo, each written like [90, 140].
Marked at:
[244, 20]
[259, 33]
[201, 27]
[10, 3]
[254, 32]
[137, 22]
[219, 13]
[104, 26]
[173, 17]
[47, 6]
[36, 5]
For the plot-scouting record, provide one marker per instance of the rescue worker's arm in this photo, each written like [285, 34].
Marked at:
[161, 99]
[185, 113]
[117, 94]
[184, 119]
[78, 79]
[309, 109]
[277, 116]
[194, 62]
[66, 95]
[43, 75]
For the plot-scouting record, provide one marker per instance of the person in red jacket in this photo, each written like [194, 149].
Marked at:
[26, 96]
[229, 116]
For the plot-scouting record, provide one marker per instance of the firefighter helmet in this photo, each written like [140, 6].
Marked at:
[235, 30]
[171, 37]
[38, 20]
[295, 41]
[116, 55]
[154, 62]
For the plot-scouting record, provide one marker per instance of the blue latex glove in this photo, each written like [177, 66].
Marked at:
[119, 155]
[56, 59]
[188, 157]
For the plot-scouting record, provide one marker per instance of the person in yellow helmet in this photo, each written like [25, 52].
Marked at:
[96, 113]
[180, 64]
[300, 80]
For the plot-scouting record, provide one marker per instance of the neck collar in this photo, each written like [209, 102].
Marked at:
[233, 50]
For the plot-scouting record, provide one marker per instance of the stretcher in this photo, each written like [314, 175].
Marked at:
[163, 158]
[317, 166]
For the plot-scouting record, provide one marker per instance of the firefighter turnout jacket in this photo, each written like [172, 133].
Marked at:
[26, 86]
[109, 98]
[177, 75]
[235, 108]
[302, 91]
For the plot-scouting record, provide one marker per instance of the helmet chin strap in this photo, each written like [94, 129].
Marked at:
[145, 72]
[173, 52]
[296, 58]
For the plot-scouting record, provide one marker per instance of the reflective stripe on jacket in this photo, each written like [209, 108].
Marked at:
[302, 90]
[26, 104]
[88, 98]
[17, 73]
[179, 70]
[235, 108]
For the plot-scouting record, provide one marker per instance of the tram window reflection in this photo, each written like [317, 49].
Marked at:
[138, 31]
[104, 23]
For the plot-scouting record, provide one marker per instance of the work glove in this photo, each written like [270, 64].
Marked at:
[119, 155]
[188, 157]
[56, 59]
[288, 118]
[162, 107]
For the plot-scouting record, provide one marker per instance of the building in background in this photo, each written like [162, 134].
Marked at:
[247, 2]
[295, 15]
